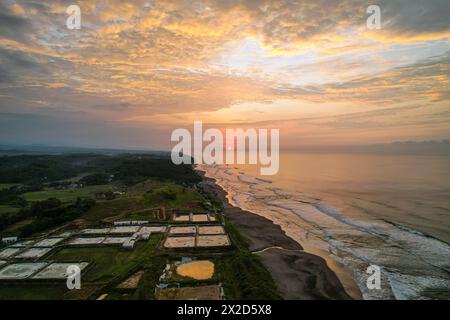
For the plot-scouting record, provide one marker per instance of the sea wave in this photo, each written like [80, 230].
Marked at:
[411, 262]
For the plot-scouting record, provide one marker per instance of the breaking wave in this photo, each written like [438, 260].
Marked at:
[412, 262]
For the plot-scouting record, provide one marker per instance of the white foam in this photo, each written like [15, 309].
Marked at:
[410, 260]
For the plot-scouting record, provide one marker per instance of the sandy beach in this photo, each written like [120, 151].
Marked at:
[298, 275]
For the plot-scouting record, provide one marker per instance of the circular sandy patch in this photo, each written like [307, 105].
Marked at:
[198, 270]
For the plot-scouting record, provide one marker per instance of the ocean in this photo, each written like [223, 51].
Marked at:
[357, 210]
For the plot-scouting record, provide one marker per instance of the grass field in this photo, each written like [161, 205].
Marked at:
[111, 266]
[146, 214]
[240, 272]
[110, 262]
[243, 274]
[16, 226]
[47, 291]
[137, 204]
[32, 292]
[111, 208]
[152, 268]
[67, 195]
[175, 196]
[4, 208]
[7, 185]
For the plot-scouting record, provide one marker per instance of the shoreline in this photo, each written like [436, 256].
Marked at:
[298, 274]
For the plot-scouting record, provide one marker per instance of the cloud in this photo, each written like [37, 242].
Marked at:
[112, 106]
[426, 80]
[20, 116]
[12, 26]
[413, 17]
[134, 63]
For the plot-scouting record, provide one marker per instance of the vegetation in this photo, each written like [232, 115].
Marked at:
[243, 274]
[35, 169]
[175, 196]
[112, 265]
[67, 195]
[26, 179]
[7, 185]
[45, 214]
[436, 293]
[32, 292]
[132, 170]
[110, 262]
[51, 213]
[245, 278]
[95, 179]
[115, 208]
[11, 196]
[9, 218]
[40, 193]
[152, 270]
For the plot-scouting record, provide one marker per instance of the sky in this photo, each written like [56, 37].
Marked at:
[136, 70]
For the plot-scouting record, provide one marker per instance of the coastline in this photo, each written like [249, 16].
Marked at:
[298, 274]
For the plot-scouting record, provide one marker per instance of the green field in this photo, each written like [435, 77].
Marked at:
[111, 208]
[148, 183]
[110, 266]
[4, 208]
[174, 196]
[110, 262]
[32, 292]
[7, 185]
[243, 274]
[67, 195]
[139, 205]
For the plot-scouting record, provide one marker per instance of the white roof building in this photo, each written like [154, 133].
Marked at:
[139, 222]
[145, 235]
[122, 223]
[128, 244]
[9, 239]
[130, 223]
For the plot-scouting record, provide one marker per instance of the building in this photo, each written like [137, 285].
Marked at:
[129, 223]
[141, 236]
[145, 236]
[139, 222]
[129, 244]
[122, 223]
[135, 236]
[9, 240]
